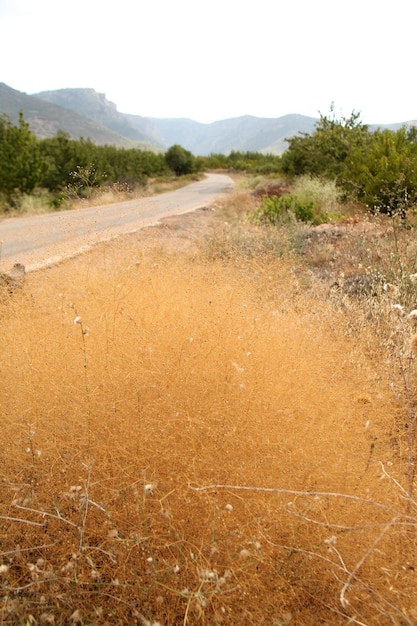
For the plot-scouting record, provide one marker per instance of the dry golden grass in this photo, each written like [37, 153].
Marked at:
[142, 390]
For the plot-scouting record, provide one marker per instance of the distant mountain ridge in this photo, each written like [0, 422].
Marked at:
[83, 112]
[246, 133]
[94, 105]
[46, 119]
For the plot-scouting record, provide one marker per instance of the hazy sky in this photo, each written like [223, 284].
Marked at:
[214, 59]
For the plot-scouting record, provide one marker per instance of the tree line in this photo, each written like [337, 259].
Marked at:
[60, 163]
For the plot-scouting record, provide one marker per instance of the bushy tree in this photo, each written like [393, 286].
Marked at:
[384, 177]
[21, 164]
[62, 157]
[180, 160]
[324, 153]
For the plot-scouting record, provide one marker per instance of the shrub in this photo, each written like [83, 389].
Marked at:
[324, 152]
[180, 160]
[21, 165]
[384, 177]
[323, 193]
[281, 210]
[376, 168]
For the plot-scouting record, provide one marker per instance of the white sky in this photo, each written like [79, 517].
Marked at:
[215, 59]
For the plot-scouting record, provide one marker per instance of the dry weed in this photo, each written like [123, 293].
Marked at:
[192, 441]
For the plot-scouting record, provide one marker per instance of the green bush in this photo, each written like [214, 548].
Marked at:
[281, 210]
[180, 160]
[250, 162]
[378, 169]
[324, 194]
[21, 165]
[324, 153]
[384, 177]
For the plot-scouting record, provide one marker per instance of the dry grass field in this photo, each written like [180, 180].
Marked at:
[197, 429]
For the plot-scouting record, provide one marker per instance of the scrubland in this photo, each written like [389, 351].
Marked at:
[212, 425]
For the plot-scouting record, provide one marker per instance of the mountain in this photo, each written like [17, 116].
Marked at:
[95, 106]
[45, 119]
[87, 113]
[247, 133]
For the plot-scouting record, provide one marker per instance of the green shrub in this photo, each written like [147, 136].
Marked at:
[378, 169]
[58, 202]
[180, 160]
[324, 152]
[324, 194]
[384, 177]
[281, 210]
[21, 164]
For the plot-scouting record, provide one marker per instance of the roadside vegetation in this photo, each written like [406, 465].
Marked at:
[56, 173]
[377, 169]
[223, 433]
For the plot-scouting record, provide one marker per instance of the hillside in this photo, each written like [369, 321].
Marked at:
[87, 113]
[246, 133]
[46, 118]
[94, 105]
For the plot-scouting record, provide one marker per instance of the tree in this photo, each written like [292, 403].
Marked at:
[61, 156]
[324, 153]
[384, 177]
[180, 160]
[21, 164]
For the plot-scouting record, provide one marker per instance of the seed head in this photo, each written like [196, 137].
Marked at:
[412, 317]
[413, 278]
[397, 309]
[390, 289]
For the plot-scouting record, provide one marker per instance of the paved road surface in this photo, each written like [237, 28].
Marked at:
[41, 240]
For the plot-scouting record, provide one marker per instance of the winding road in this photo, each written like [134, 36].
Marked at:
[41, 240]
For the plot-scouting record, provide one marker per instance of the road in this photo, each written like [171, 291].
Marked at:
[41, 240]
